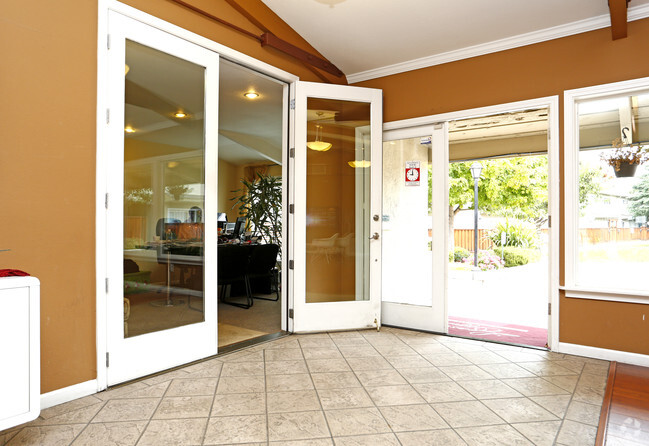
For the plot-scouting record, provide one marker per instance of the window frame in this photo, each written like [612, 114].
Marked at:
[571, 190]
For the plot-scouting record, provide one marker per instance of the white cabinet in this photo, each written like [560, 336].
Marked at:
[20, 366]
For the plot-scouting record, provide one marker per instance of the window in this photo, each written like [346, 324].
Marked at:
[607, 189]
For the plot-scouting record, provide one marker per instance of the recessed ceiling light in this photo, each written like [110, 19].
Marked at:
[251, 95]
[180, 114]
[129, 129]
[126, 69]
[172, 164]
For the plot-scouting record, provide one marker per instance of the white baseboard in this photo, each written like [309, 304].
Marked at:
[69, 393]
[603, 353]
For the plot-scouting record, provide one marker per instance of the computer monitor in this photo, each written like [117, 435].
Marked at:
[239, 226]
[221, 219]
[229, 227]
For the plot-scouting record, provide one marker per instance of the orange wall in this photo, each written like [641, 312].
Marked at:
[47, 165]
[543, 69]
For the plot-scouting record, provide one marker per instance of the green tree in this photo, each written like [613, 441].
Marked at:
[639, 198]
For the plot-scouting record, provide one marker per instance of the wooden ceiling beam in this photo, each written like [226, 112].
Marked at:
[618, 11]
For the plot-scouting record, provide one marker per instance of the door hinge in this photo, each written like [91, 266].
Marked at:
[290, 313]
[291, 264]
[291, 208]
[108, 41]
[549, 309]
[107, 359]
[106, 201]
[108, 116]
[438, 125]
[106, 285]
[292, 104]
[549, 221]
[291, 153]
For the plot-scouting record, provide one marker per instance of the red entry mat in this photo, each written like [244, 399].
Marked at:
[497, 331]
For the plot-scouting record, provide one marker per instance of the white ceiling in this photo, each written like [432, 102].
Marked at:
[372, 38]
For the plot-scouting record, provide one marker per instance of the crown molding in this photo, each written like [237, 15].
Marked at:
[581, 26]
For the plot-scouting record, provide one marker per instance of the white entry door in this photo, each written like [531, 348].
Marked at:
[337, 208]
[415, 204]
[161, 201]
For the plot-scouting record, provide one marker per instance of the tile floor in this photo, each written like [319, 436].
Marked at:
[395, 387]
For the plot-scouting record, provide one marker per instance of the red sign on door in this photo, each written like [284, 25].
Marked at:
[412, 173]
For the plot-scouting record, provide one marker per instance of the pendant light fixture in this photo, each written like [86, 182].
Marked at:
[317, 145]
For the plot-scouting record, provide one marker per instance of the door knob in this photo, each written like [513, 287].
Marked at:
[375, 236]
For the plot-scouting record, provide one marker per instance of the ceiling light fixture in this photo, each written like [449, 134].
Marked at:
[180, 114]
[317, 145]
[129, 129]
[362, 164]
[172, 164]
[126, 69]
[251, 95]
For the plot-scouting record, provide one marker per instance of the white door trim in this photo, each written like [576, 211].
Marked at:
[103, 147]
[417, 127]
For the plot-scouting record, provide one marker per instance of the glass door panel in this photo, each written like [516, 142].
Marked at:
[161, 219]
[337, 207]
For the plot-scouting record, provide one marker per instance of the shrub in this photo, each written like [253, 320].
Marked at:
[487, 261]
[519, 256]
[519, 234]
[458, 254]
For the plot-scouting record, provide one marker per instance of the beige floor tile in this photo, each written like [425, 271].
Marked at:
[442, 392]
[321, 353]
[316, 442]
[283, 354]
[127, 410]
[286, 367]
[557, 404]
[467, 414]
[209, 369]
[236, 429]
[287, 342]
[519, 410]
[348, 422]
[155, 391]
[396, 348]
[523, 355]
[428, 374]
[368, 440]
[316, 342]
[47, 435]
[176, 432]
[541, 434]
[394, 395]
[327, 365]
[445, 437]
[371, 378]
[446, 359]
[241, 384]
[407, 362]
[584, 413]
[356, 351]
[183, 407]
[7, 435]
[71, 406]
[534, 386]
[412, 418]
[83, 415]
[546, 368]
[590, 395]
[338, 380]
[243, 369]
[239, 404]
[492, 436]
[465, 373]
[247, 355]
[567, 383]
[484, 357]
[296, 401]
[161, 378]
[297, 426]
[192, 387]
[576, 434]
[111, 434]
[369, 363]
[344, 398]
[489, 389]
[509, 370]
[430, 349]
[124, 391]
[286, 383]
[466, 347]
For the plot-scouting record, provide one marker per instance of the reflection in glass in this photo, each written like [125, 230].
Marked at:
[164, 191]
[338, 200]
[407, 231]
[613, 239]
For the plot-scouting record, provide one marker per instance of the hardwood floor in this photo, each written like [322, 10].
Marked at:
[625, 412]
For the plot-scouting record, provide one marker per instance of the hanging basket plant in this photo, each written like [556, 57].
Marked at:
[626, 156]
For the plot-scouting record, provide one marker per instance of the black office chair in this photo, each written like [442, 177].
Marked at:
[263, 265]
[232, 265]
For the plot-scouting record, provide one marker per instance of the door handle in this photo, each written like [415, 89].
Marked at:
[375, 236]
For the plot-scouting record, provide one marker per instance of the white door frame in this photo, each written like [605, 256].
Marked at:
[103, 152]
[418, 127]
[310, 317]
